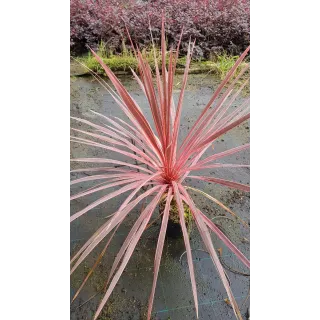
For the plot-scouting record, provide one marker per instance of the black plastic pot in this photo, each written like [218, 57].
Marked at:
[174, 230]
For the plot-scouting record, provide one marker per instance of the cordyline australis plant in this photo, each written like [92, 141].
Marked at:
[161, 164]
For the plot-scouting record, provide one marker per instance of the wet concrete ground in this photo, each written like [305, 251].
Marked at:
[173, 298]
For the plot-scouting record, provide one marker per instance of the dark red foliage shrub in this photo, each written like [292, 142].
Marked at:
[216, 24]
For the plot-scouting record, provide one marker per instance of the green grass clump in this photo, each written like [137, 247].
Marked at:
[121, 62]
[225, 62]
[222, 64]
[115, 63]
[219, 65]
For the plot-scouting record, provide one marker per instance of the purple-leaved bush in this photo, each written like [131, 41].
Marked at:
[215, 24]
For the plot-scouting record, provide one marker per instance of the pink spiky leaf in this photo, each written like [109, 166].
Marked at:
[159, 249]
[187, 244]
[146, 217]
[208, 243]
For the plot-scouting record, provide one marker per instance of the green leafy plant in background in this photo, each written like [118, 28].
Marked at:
[161, 164]
[124, 61]
[219, 65]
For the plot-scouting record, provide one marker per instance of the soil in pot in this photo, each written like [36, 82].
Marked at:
[174, 228]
